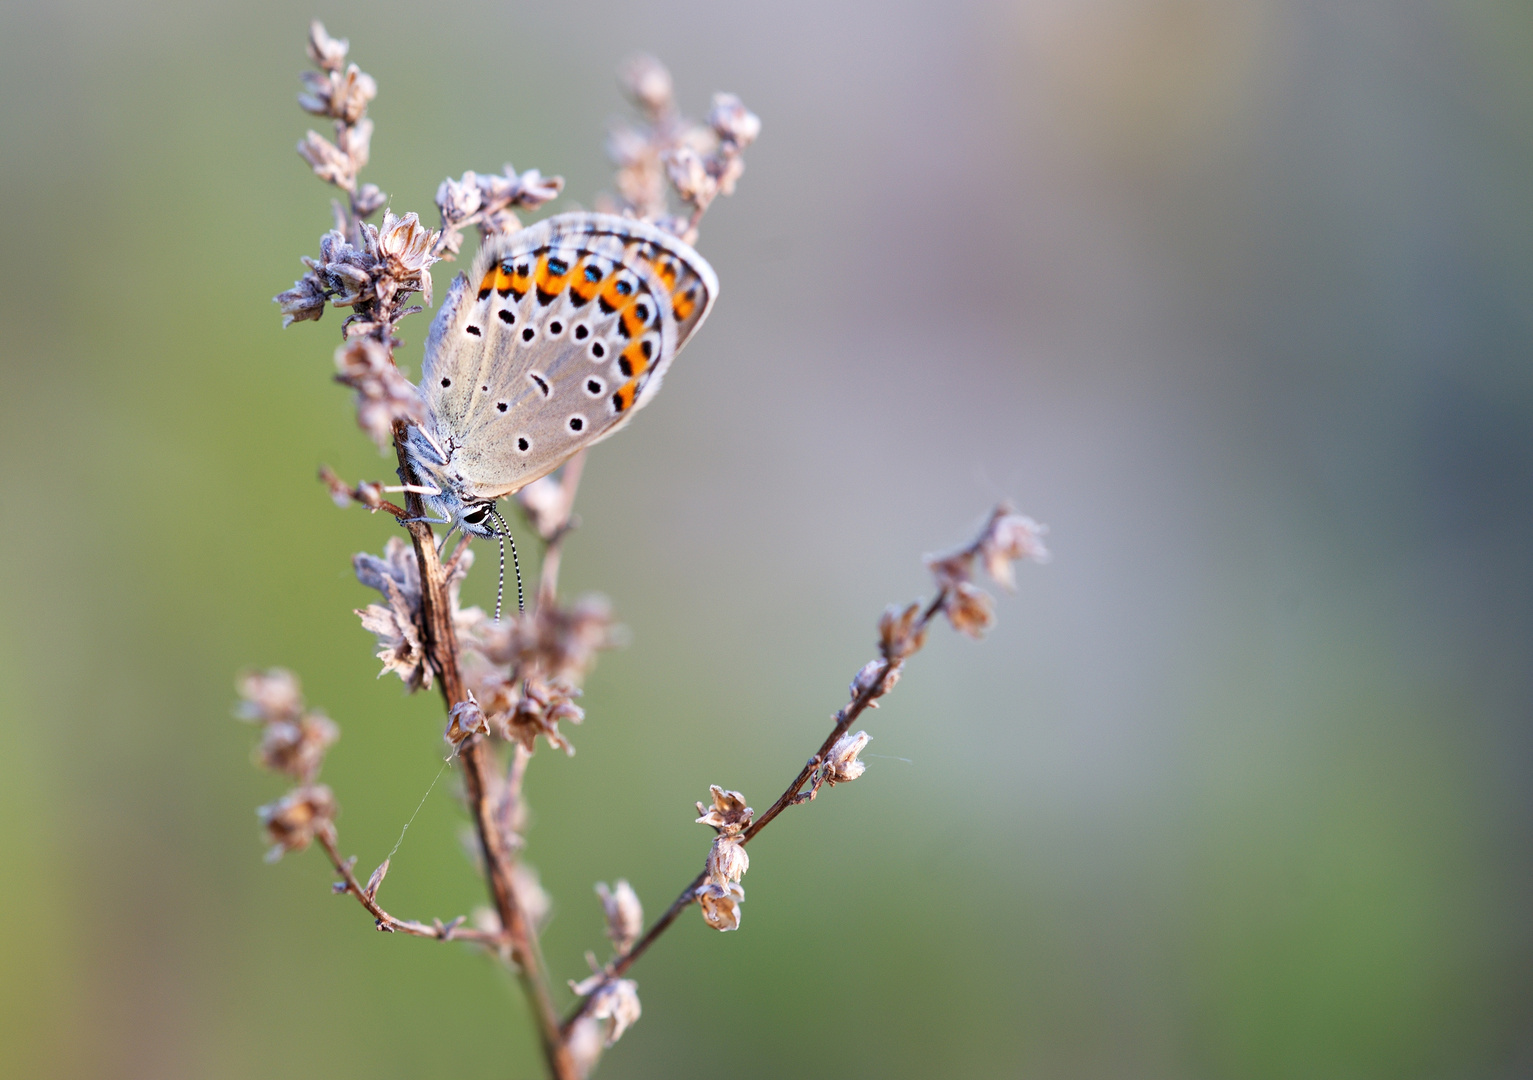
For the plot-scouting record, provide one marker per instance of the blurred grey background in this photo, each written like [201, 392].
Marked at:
[1234, 294]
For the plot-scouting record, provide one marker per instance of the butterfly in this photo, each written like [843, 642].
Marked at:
[557, 336]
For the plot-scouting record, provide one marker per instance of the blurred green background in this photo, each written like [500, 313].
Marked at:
[1237, 295]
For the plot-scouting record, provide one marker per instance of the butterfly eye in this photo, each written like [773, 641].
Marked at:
[475, 516]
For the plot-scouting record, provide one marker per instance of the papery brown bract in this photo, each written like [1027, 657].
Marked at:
[728, 814]
[727, 860]
[294, 820]
[841, 764]
[720, 903]
[625, 915]
[970, 610]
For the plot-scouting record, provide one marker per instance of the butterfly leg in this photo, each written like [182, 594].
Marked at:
[413, 489]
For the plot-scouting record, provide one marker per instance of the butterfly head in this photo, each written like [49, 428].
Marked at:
[478, 519]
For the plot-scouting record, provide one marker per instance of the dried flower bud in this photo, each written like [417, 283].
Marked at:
[876, 678]
[348, 101]
[383, 394]
[1008, 538]
[294, 820]
[369, 493]
[951, 569]
[343, 97]
[647, 83]
[397, 626]
[355, 141]
[326, 52]
[729, 173]
[899, 634]
[616, 1000]
[406, 244]
[729, 814]
[539, 710]
[721, 904]
[329, 163]
[970, 610]
[733, 121]
[625, 915]
[458, 199]
[689, 176]
[841, 763]
[466, 718]
[268, 696]
[297, 748]
[552, 642]
[533, 189]
[304, 301]
[727, 860]
[369, 200]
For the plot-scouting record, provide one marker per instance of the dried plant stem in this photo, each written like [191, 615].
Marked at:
[479, 785]
[452, 931]
[791, 796]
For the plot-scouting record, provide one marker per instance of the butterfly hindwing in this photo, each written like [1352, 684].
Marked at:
[560, 333]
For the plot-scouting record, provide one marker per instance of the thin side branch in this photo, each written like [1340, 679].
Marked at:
[793, 794]
[452, 931]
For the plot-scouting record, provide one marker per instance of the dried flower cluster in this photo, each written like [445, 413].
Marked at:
[371, 269]
[340, 92]
[1006, 538]
[399, 624]
[383, 394]
[721, 894]
[700, 161]
[490, 202]
[294, 739]
[506, 682]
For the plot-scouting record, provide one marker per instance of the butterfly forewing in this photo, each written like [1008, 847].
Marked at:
[561, 332]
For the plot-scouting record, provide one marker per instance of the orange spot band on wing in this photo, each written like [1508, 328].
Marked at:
[550, 283]
[622, 400]
[582, 288]
[633, 361]
[684, 303]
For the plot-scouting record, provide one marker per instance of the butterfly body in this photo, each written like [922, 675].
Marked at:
[557, 336]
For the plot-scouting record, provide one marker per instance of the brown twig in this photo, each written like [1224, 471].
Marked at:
[452, 931]
[479, 783]
[871, 690]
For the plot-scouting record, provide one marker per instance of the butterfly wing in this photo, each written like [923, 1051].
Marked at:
[560, 333]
